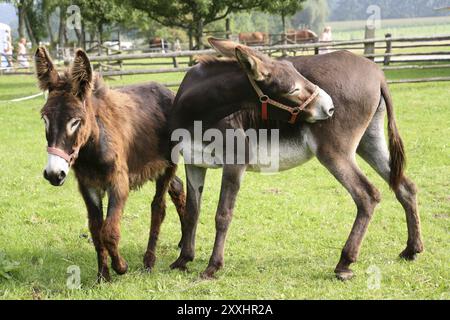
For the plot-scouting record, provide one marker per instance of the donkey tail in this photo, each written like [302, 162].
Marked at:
[397, 161]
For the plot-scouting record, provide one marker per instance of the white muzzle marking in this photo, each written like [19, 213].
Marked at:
[56, 164]
[324, 107]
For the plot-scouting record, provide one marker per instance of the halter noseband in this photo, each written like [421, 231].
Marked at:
[266, 100]
[70, 158]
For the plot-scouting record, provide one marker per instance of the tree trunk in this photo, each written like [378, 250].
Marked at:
[62, 35]
[199, 34]
[80, 36]
[100, 38]
[284, 38]
[191, 45]
[191, 39]
[49, 28]
[31, 35]
[21, 14]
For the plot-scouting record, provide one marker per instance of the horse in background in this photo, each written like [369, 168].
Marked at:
[301, 36]
[254, 38]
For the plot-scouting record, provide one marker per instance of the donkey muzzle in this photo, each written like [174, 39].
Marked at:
[323, 107]
[56, 170]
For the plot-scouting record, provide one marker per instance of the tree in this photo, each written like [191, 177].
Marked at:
[284, 8]
[48, 7]
[29, 14]
[192, 15]
[33, 22]
[21, 13]
[313, 15]
[97, 14]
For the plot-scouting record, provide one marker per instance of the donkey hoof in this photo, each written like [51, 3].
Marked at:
[149, 262]
[103, 277]
[179, 264]
[344, 275]
[208, 275]
[408, 255]
[120, 267]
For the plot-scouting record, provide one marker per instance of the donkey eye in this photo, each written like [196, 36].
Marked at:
[294, 91]
[76, 123]
[73, 125]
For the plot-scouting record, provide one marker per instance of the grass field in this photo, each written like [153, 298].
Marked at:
[349, 30]
[285, 239]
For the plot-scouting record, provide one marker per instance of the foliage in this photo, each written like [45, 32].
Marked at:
[255, 21]
[190, 15]
[283, 8]
[101, 14]
[35, 12]
[313, 15]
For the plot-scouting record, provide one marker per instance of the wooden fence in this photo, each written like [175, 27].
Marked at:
[111, 65]
[390, 58]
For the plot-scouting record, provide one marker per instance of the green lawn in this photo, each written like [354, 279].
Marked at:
[285, 239]
[350, 30]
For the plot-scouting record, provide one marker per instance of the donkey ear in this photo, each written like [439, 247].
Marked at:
[253, 65]
[224, 47]
[45, 71]
[81, 75]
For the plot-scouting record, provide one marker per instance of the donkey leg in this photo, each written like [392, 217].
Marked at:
[176, 192]
[93, 200]
[365, 196]
[373, 149]
[158, 215]
[117, 196]
[195, 179]
[231, 179]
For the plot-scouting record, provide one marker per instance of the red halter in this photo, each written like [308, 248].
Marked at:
[70, 158]
[266, 100]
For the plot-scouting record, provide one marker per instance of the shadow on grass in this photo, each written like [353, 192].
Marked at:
[47, 268]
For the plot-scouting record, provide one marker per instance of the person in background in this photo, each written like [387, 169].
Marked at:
[22, 53]
[326, 36]
[8, 51]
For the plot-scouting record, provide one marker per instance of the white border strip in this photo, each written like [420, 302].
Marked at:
[24, 98]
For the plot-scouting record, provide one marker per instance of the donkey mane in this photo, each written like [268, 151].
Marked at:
[208, 60]
[99, 87]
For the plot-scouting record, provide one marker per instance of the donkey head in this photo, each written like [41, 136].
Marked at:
[278, 79]
[66, 118]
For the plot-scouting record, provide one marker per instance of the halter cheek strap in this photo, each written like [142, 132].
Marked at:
[266, 101]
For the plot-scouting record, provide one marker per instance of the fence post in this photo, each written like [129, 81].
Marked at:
[175, 62]
[163, 50]
[369, 47]
[227, 28]
[387, 57]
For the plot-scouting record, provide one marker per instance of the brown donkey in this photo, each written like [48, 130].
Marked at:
[361, 99]
[116, 141]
